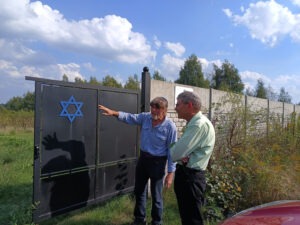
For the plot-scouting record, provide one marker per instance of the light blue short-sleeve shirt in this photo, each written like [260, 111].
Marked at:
[154, 140]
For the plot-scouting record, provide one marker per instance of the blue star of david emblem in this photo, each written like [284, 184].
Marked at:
[65, 105]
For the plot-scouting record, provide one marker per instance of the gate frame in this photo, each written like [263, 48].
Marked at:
[143, 101]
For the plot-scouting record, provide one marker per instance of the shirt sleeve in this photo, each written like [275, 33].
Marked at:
[129, 118]
[171, 139]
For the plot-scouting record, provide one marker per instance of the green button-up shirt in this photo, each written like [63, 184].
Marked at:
[197, 142]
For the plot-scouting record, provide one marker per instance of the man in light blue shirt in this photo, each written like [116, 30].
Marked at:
[157, 133]
[192, 152]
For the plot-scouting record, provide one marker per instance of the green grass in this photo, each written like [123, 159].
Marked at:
[16, 171]
[16, 159]
[16, 177]
[117, 211]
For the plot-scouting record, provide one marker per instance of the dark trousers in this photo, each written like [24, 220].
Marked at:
[153, 168]
[189, 186]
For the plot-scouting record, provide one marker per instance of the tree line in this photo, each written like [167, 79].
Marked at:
[225, 78]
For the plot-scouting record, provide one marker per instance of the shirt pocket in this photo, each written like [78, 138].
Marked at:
[161, 137]
[146, 127]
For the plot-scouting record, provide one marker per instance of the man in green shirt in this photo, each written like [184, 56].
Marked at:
[192, 153]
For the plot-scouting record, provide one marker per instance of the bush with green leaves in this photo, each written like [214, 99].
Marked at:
[255, 160]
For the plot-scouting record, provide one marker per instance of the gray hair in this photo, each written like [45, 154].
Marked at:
[160, 103]
[188, 96]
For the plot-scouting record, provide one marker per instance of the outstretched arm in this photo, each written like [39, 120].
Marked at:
[107, 111]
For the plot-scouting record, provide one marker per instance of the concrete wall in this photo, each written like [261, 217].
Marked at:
[171, 90]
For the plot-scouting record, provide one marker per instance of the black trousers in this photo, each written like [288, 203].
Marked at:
[189, 186]
[153, 168]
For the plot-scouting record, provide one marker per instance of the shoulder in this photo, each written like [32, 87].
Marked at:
[170, 124]
[144, 115]
[201, 120]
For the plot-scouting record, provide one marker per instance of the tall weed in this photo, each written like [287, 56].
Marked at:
[252, 163]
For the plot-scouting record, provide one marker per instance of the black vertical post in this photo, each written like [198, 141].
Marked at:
[145, 102]
[145, 94]
[36, 151]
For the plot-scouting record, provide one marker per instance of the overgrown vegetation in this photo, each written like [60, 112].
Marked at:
[249, 167]
[11, 119]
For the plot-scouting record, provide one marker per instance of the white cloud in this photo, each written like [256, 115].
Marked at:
[177, 48]
[207, 66]
[171, 66]
[7, 68]
[268, 21]
[250, 78]
[24, 23]
[72, 70]
[291, 83]
[227, 12]
[157, 42]
[253, 76]
[89, 66]
[296, 2]
[110, 37]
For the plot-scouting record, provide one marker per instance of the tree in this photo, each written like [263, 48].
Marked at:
[158, 76]
[260, 91]
[65, 78]
[79, 80]
[284, 96]
[191, 73]
[109, 81]
[271, 94]
[132, 83]
[249, 92]
[29, 101]
[93, 80]
[227, 78]
[26, 102]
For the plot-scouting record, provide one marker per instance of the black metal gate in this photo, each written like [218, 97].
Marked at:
[80, 156]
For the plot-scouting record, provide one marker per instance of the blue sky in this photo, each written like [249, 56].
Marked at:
[112, 37]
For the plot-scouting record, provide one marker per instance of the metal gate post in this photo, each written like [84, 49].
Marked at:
[145, 93]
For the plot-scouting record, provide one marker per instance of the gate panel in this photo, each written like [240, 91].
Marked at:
[117, 144]
[68, 148]
[117, 147]
[80, 156]
[65, 192]
[69, 121]
[115, 179]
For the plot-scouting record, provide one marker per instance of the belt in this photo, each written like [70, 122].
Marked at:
[144, 154]
[187, 169]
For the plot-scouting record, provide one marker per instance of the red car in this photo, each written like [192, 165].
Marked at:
[274, 213]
